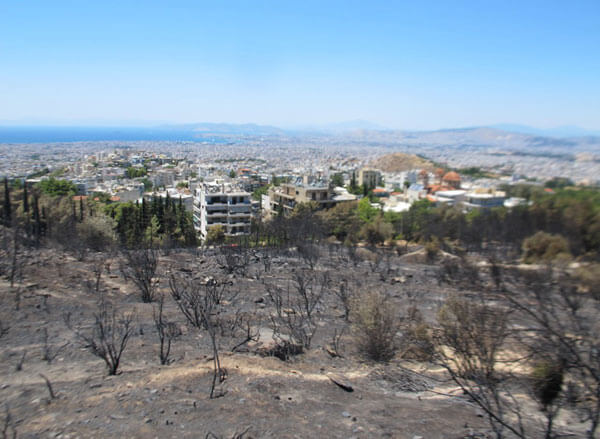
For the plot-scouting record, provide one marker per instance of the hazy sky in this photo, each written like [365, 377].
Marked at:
[410, 64]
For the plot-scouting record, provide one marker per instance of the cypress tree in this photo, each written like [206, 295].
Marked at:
[161, 214]
[25, 199]
[44, 223]
[7, 205]
[81, 209]
[37, 225]
[144, 214]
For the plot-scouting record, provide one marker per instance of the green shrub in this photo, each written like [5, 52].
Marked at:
[545, 247]
[377, 232]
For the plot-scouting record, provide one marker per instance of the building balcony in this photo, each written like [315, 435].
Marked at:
[217, 213]
[240, 210]
[211, 206]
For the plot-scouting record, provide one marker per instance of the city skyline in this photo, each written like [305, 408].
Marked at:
[410, 67]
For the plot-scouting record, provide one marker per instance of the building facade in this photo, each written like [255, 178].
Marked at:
[369, 177]
[222, 205]
[284, 198]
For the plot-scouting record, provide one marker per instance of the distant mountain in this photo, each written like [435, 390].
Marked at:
[563, 131]
[206, 128]
[477, 137]
[339, 127]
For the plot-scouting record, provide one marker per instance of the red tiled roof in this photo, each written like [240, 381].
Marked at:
[451, 176]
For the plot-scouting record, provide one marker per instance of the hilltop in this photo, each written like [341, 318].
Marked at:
[398, 162]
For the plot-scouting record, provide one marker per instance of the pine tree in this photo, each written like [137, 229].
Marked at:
[151, 234]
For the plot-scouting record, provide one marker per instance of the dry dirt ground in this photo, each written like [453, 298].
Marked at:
[264, 396]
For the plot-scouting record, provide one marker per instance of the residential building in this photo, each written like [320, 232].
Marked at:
[285, 197]
[369, 177]
[223, 205]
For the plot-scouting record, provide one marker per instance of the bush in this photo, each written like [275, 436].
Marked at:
[97, 232]
[418, 342]
[545, 247]
[376, 323]
[215, 235]
[377, 232]
[432, 249]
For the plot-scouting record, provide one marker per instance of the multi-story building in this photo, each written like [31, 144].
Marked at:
[369, 177]
[222, 205]
[285, 197]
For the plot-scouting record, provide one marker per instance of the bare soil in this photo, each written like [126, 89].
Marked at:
[263, 396]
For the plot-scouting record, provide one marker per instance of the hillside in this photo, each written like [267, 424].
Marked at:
[399, 162]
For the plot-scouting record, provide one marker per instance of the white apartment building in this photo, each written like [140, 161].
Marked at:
[222, 204]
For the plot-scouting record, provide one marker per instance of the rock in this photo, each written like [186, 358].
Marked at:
[345, 414]
[340, 381]
[117, 417]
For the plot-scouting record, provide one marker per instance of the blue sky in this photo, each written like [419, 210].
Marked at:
[411, 65]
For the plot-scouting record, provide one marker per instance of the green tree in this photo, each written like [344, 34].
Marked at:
[377, 232]
[258, 193]
[215, 235]
[54, 187]
[337, 180]
[342, 221]
[147, 184]
[25, 199]
[152, 232]
[545, 247]
[135, 172]
[366, 212]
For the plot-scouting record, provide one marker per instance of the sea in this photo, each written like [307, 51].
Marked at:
[40, 134]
